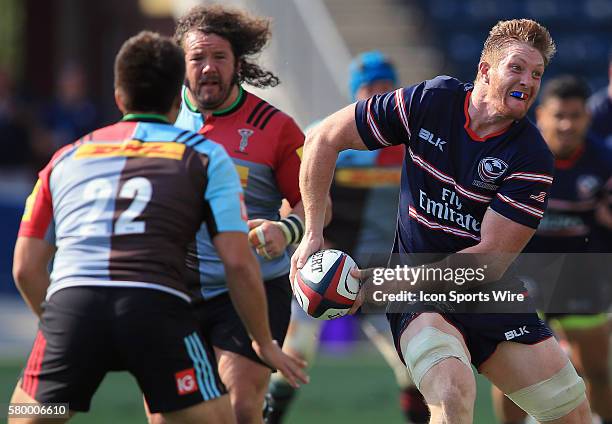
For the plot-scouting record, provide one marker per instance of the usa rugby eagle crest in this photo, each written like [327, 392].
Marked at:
[490, 169]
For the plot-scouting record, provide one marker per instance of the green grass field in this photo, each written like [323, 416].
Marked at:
[353, 387]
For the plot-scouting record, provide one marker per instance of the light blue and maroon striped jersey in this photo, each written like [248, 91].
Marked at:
[451, 175]
[266, 147]
[125, 201]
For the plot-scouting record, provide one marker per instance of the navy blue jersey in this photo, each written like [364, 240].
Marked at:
[579, 187]
[451, 175]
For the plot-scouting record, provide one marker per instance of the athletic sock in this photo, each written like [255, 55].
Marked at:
[413, 406]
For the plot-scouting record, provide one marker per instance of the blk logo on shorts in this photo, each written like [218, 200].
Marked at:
[186, 382]
[516, 333]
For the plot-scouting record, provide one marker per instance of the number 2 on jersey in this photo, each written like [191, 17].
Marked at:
[100, 191]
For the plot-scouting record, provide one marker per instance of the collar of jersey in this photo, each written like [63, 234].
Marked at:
[145, 117]
[569, 162]
[237, 103]
[470, 132]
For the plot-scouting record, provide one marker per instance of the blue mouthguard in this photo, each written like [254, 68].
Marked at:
[518, 95]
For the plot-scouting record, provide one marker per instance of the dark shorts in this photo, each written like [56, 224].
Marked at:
[220, 322]
[482, 332]
[85, 332]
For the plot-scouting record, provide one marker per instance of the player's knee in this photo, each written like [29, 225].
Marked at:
[156, 418]
[457, 391]
[247, 401]
[554, 397]
[429, 347]
[247, 408]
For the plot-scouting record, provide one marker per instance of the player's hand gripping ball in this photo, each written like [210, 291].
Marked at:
[324, 287]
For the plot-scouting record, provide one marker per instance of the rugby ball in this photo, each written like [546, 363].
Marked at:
[324, 287]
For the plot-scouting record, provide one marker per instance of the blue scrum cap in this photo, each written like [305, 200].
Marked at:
[369, 67]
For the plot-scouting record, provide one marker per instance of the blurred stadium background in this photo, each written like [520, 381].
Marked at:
[56, 60]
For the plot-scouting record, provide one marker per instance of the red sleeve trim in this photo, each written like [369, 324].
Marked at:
[38, 211]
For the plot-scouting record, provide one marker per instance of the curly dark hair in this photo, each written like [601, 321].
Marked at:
[149, 69]
[247, 34]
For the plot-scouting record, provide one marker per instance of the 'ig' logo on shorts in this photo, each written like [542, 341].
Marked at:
[186, 382]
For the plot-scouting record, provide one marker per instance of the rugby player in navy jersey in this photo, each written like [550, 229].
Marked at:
[475, 179]
[582, 171]
[366, 184]
[119, 208]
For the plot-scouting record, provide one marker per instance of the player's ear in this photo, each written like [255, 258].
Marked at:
[120, 101]
[483, 71]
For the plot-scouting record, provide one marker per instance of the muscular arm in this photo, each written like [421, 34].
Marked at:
[244, 283]
[268, 237]
[30, 262]
[298, 209]
[501, 240]
[336, 133]
[248, 296]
